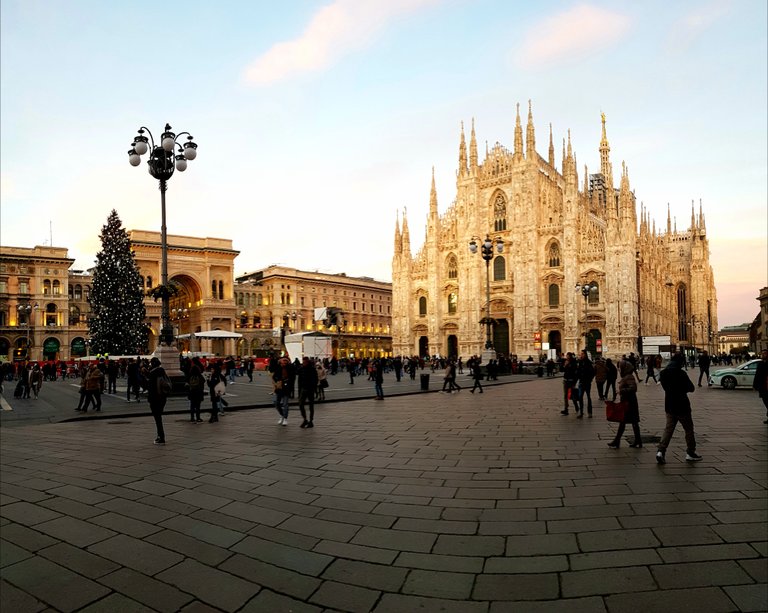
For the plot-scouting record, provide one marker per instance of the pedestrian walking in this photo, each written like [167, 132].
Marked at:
[760, 383]
[650, 369]
[628, 395]
[477, 374]
[94, 384]
[282, 383]
[36, 380]
[307, 377]
[570, 377]
[322, 380]
[378, 379]
[195, 393]
[677, 406]
[216, 380]
[704, 361]
[158, 389]
[601, 374]
[586, 373]
[612, 374]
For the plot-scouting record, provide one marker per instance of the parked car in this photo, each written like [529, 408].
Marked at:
[736, 376]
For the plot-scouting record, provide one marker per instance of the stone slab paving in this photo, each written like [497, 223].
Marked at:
[424, 502]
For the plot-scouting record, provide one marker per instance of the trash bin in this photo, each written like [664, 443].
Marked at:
[424, 382]
[540, 371]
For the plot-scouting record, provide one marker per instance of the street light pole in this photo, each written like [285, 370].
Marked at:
[164, 158]
[586, 289]
[486, 251]
[26, 311]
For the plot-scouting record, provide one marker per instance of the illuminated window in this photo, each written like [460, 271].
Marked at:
[453, 300]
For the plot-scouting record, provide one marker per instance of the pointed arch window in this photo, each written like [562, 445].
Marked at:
[453, 267]
[553, 255]
[554, 295]
[422, 306]
[453, 302]
[594, 294]
[499, 213]
[499, 268]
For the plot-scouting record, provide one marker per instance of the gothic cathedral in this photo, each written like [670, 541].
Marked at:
[569, 267]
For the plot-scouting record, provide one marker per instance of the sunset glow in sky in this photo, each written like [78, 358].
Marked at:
[317, 121]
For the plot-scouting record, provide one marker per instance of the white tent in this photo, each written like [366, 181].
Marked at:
[212, 334]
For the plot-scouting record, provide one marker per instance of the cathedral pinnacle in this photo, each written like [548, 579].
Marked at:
[406, 234]
[462, 153]
[669, 220]
[433, 197]
[551, 148]
[605, 160]
[473, 148]
[518, 153]
[530, 136]
[702, 223]
[398, 236]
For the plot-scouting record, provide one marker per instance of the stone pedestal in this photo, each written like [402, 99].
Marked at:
[169, 360]
[487, 356]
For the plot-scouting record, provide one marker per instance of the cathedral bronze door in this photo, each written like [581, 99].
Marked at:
[501, 336]
[423, 347]
[555, 341]
[453, 346]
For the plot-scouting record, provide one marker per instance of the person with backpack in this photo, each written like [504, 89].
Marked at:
[195, 393]
[677, 386]
[158, 390]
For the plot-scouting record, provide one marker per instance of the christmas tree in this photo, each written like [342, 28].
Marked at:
[117, 325]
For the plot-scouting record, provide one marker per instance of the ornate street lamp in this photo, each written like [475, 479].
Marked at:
[486, 251]
[164, 158]
[586, 289]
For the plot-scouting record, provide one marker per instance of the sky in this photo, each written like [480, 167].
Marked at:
[318, 122]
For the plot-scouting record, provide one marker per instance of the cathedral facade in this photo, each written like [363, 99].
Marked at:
[579, 266]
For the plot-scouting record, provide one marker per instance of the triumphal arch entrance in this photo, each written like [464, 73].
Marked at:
[202, 270]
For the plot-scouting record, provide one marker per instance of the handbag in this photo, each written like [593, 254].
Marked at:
[277, 385]
[324, 383]
[614, 411]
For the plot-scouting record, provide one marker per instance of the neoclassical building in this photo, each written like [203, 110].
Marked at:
[278, 297]
[560, 233]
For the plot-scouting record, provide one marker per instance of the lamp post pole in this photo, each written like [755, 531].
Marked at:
[486, 251]
[586, 289]
[164, 158]
[26, 310]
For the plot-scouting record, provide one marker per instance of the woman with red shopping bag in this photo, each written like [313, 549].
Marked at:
[628, 397]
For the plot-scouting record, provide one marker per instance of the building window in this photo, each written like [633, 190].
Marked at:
[553, 255]
[453, 268]
[221, 290]
[422, 306]
[554, 295]
[499, 214]
[56, 288]
[453, 300]
[78, 292]
[594, 294]
[3, 286]
[499, 269]
[47, 287]
[149, 281]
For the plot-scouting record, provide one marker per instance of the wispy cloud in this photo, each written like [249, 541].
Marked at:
[334, 31]
[574, 32]
[694, 23]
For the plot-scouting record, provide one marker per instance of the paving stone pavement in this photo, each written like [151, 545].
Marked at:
[424, 502]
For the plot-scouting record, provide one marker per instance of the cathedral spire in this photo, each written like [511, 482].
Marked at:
[693, 217]
[669, 220]
[462, 153]
[702, 223]
[473, 149]
[530, 136]
[518, 152]
[398, 236]
[433, 197]
[605, 159]
[406, 234]
[586, 180]
[551, 148]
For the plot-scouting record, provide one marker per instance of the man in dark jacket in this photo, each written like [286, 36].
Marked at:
[704, 362]
[761, 380]
[570, 377]
[677, 406]
[586, 373]
[307, 375]
[156, 397]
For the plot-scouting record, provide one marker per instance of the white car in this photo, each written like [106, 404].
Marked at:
[735, 376]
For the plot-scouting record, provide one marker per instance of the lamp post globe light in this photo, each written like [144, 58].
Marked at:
[486, 251]
[164, 158]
